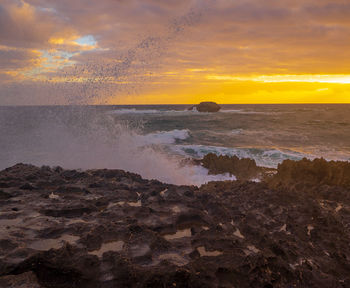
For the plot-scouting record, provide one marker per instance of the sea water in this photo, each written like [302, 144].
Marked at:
[154, 140]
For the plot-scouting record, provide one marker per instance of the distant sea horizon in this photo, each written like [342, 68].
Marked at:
[172, 104]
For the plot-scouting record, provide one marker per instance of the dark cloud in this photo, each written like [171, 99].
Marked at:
[17, 59]
[331, 13]
[26, 26]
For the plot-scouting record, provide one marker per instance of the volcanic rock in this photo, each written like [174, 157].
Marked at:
[243, 169]
[312, 172]
[131, 232]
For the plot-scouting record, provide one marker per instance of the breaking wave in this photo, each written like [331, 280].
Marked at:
[263, 157]
[135, 111]
[91, 141]
[164, 137]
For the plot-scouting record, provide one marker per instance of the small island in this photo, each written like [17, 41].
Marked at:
[206, 107]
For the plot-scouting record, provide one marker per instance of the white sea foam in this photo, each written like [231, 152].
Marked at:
[163, 137]
[241, 111]
[231, 111]
[156, 111]
[263, 157]
[200, 175]
[135, 111]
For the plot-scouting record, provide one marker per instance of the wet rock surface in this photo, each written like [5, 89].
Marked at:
[110, 228]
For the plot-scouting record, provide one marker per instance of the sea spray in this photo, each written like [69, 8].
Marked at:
[85, 138]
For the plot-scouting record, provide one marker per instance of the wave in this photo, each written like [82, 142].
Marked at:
[231, 111]
[92, 141]
[163, 137]
[135, 111]
[184, 112]
[154, 111]
[263, 157]
[238, 111]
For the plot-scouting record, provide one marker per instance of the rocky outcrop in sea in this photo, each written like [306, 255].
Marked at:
[111, 228]
[206, 107]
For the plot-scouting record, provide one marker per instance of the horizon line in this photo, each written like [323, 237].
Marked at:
[156, 104]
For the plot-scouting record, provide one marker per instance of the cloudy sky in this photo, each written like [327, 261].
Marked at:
[174, 51]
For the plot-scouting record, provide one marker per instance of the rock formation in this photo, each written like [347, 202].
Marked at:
[110, 228]
[315, 172]
[206, 107]
[243, 169]
[288, 174]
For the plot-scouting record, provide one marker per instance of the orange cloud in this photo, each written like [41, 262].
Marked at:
[242, 51]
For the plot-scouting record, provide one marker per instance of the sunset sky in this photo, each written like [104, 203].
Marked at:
[174, 51]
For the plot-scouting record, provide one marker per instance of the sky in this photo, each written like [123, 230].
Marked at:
[174, 51]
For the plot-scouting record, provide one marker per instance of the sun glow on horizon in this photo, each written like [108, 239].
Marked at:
[112, 52]
[308, 78]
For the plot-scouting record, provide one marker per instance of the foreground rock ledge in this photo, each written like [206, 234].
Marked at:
[110, 228]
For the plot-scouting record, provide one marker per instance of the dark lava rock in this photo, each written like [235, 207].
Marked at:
[4, 185]
[206, 107]
[70, 212]
[24, 280]
[315, 172]
[4, 195]
[303, 173]
[291, 230]
[243, 169]
[27, 186]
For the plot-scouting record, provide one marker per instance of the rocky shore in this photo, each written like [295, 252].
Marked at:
[110, 228]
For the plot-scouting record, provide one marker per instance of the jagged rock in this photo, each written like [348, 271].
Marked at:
[243, 169]
[131, 232]
[315, 172]
[206, 107]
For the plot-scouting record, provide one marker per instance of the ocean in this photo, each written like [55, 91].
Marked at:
[153, 140]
